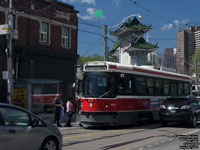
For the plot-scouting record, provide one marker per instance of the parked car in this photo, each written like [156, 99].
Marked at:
[23, 130]
[185, 109]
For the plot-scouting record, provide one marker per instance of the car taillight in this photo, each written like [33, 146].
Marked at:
[162, 107]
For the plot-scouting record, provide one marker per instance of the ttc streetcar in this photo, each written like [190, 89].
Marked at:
[113, 94]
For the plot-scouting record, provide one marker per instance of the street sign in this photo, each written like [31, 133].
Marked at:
[15, 34]
[98, 13]
[5, 29]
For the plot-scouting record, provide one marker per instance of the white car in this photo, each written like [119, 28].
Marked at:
[22, 130]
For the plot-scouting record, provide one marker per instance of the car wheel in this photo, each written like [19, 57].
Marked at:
[163, 123]
[50, 144]
[194, 121]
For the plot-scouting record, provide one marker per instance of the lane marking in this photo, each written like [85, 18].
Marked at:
[191, 132]
[90, 134]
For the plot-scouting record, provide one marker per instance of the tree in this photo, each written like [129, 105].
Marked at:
[194, 57]
[149, 63]
[95, 57]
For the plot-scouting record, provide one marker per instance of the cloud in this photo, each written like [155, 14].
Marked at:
[91, 11]
[175, 23]
[116, 3]
[90, 14]
[90, 2]
[167, 27]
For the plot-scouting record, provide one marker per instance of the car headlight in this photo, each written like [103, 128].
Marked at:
[185, 107]
[170, 107]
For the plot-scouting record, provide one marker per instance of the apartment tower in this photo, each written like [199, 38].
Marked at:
[187, 41]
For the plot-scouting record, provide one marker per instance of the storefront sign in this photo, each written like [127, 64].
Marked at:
[19, 97]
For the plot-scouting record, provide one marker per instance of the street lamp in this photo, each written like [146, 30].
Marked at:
[123, 21]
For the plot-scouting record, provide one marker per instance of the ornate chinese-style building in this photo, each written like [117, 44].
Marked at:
[132, 48]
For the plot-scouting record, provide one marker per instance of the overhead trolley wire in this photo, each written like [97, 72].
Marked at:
[92, 46]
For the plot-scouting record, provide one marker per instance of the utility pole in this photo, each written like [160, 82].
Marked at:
[105, 43]
[196, 72]
[9, 53]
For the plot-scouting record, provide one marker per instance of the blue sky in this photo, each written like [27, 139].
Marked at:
[165, 16]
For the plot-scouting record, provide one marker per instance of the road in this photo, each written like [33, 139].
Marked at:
[140, 137]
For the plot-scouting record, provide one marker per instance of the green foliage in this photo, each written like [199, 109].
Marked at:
[116, 44]
[194, 57]
[94, 57]
[149, 63]
[112, 59]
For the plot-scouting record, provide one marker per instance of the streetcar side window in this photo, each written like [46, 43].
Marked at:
[150, 86]
[140, 85]
[158, 86]
[180, 88]
[186, 88]
[166, 87]
[125, 84]
[174, 88]
[112, 91]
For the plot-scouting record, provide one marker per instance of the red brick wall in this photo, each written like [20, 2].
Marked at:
[39, 61]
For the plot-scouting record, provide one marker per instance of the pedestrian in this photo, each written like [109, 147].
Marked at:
[61, 114]
[69, 112]
[58, 105]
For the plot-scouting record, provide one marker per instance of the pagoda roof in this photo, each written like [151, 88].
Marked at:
[132, 26]
[141, 45]
[138, 45]
[114, 50]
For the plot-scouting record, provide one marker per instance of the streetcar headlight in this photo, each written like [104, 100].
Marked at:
[91, 104]
[106, 105]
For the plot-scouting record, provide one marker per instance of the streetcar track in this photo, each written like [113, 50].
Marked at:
[123, 143]
[133, 141]
[106, 131]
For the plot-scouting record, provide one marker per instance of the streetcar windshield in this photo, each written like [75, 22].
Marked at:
[96, 84]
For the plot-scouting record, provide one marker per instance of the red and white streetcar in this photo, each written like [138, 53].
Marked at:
[115, 94]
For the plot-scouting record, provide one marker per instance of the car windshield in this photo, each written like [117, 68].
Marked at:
[177, 102]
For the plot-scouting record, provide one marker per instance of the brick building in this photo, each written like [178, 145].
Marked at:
[170, 58]
[46, 47]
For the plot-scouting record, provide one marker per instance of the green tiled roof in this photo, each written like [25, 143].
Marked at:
[113, 50]
[132, 24]
[142, 44]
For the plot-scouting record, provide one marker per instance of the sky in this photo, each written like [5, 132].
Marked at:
[165, 16]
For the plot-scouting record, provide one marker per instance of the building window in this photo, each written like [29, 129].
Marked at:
[44, 32]
[65, 37]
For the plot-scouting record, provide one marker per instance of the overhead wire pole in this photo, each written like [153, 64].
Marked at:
[105, 43]
[9, 53]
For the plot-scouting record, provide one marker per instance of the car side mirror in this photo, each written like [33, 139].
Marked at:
[35, 123]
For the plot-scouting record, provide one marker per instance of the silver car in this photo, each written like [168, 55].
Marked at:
[22, 130]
